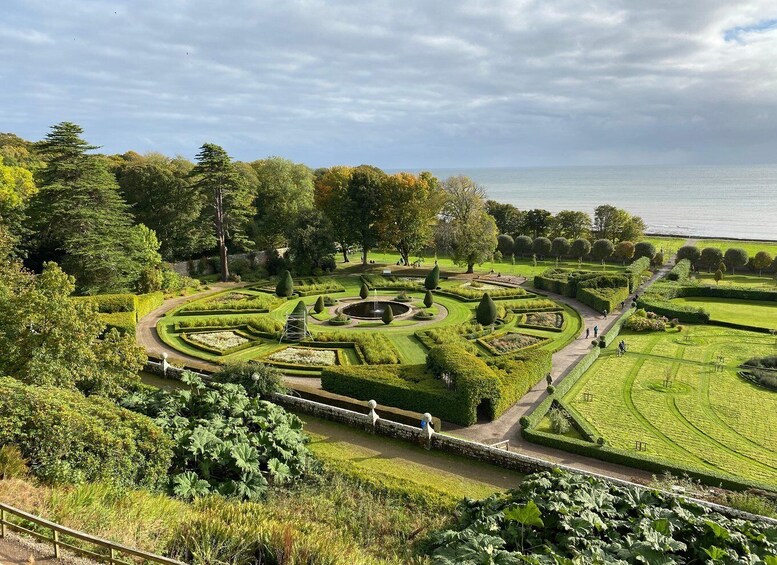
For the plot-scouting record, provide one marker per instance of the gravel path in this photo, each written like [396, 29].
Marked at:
[19, 550]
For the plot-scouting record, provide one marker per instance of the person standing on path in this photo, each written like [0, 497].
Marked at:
[596, 331]
[587, 332]
[604, 313]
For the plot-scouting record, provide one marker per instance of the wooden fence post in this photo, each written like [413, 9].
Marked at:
[2, 522]
[56, 544]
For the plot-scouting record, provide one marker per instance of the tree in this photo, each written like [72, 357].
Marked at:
[285, 286]
[408, 224]
[485, 313]
[710, 258]
[428, 299]
[162, 197]
[761, 261]
[508, 218]
[364, 291]
[311, 244]
[16, 188]
[537, 223]
[542, 246]
[560, 247]
[281, 191]
[331, 197]
[504, 244]
[580, 248]
[78, 217]
[388, 315]
[736, 257]
[644, 249]
[617, 225]
[718, 276]
[572, 224]
[366, 206]
[49, 338]
[217, 181]
[690, 252]
[432, 280]
[467, 231]
[624, 251]
[523, 245]
[319, 305]
[602, 249]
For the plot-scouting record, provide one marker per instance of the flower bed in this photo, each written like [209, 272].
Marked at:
[545, 319]
[305, 356]
[218, 340]
[508, 343]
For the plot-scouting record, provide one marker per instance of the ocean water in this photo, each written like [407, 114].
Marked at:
[716, 201]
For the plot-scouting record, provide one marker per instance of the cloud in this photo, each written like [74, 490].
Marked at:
[401, 83]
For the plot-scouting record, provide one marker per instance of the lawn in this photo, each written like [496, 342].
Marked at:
[752, 247]
[747, 312]
[752, 281]
[667, 393]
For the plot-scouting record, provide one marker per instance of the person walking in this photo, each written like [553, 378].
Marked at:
[604, 313]
[587, 332]
[596, 331]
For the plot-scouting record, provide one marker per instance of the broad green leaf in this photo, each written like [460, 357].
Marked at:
[528, 514]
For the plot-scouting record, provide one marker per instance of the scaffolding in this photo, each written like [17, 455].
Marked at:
[296, 326]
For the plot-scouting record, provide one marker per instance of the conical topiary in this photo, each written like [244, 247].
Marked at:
[364, 292]
[432, 279]
[485, 313]
[285, 287]
[299, 309]
[428, 299]
[388, 315]
[319, 306]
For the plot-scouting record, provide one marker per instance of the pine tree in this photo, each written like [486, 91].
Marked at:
[217, 180]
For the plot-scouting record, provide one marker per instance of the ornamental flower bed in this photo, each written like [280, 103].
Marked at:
[507, 343]
[545, 319]
[220, 341]
[305, 356]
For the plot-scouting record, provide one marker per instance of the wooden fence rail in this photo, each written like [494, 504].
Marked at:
[114, 550]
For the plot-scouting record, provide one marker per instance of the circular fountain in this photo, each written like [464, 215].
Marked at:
[373, 309]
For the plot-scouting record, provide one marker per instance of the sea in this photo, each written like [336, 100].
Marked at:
[737, 202]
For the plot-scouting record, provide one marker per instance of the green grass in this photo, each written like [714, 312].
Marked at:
[670, 245]
[752, 247]
[706, 418]
[767, 282]
[747, 312]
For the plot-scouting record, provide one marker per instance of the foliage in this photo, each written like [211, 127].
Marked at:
[428, 299]
[376, 348]
[504, 243]
[681, 271]
[318, 307]
[617, 225]
[256, 378]
[559, 422]
[644, 323]
[472, 292]
[537, 222]
[69, 438]
[560, 516]
[624, 250]
[507, 217]
[689, 252]
[710, 258]
[364, 291]
[572, 224]
[311, 242]
[285, 286]
[388, 315]
[485, 313]
[644, 249]
[602, 249]
[635, 271]
[761, 261]
[233, 301]
[48, 338]
[523, 245]
[580, 248]
[432, 280]
[226, 441]
[13, 465]
[542, 246]
[735, 257]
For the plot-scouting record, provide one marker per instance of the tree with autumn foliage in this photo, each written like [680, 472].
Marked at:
[331, 197]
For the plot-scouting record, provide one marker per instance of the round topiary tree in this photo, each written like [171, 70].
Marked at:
[432, 279]
[428, 299]
[560, 247]
[364, 292]
[624, 251]
[388, 315]
[504, 244]
[319, 306]
[485, 313]
[644, 249]
[690, 252]
[542, 246]
[285, 286]
[580, 248]
[711, 257]
[522, 245]
[761, 261]
[736, 257]
[602, 249]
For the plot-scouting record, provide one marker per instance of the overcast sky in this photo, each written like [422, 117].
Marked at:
[401, 84]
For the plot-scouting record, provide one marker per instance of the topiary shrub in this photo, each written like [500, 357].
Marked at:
[524, 421]
[432, 279]
[388, 315]
[364, 291]
[551, 389]
[428, 299]
[319, 305]
[285, 286]
[486, 311]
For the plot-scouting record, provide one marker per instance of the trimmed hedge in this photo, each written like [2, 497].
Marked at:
[518, 374]
[112, 303]
[604, 292]
[681, 271]
[70, 438]
[635, 270]
[147, 303]
[124, 322]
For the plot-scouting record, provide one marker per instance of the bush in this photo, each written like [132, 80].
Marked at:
[319, 305]
[428, 299]
[602, 249]
[340, 320]
[580, 248]
[364, 292]
[12, 464]
[148, 303]
[644, 249]
[432, 280]
[681, 271]
[635, 270]
[486, 311]
[551, 389]
[124, 322]
[69, 438]
[641, 324]
[285, 286]
[559, 422]
[256, 378]
[388, 315]
[112, 303]
[690, 253]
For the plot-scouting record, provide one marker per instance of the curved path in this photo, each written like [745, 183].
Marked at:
[506, 427]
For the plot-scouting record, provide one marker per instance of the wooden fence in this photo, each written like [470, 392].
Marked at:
[114, 551]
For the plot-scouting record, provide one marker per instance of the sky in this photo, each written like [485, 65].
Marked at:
[401, 84]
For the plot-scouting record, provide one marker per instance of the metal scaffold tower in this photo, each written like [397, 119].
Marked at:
[296, 326]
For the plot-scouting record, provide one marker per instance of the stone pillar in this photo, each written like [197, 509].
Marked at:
[428, 431]
[373, 415]
[165, 364]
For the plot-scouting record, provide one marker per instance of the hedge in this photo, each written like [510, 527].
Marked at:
[733, 292]
[112, 303]
[518, 375]
[124, 322]
[604, 292]
[474, 294]
[70, 438]
[147, 303]
[681, 271]
[635, 270]
[609, 336]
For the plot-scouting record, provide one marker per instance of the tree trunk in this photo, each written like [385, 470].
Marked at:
[223, 257]
[470, 268]
[365, 251]
[345, 253]
[220, 233]
[405, 256]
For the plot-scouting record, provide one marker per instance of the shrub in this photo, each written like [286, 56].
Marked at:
[340, 320]
[319, 306]
[523, 245]
[559, 422]
[580, 248]
[285, 286]
[735, 257]
[641, 324]
[329, 301]
[428, 299]
[112, 303]
[432, 280]
[690, 253]
[602, 249]
[644, 249]
[12, 464]
[146, 303]
[710, 258]
[69, 438]
[551, 389]
[388, 315]
[486, 311]
[635, 270]
[364, 292]
[560, 247]
[681, 271]
[256, 378]
[542, 246]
